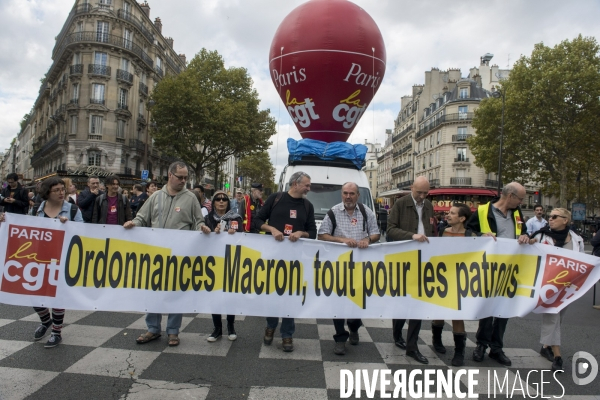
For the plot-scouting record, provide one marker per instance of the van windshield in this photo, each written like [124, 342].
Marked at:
[324, 196]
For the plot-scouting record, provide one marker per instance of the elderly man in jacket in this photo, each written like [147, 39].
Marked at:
[411, 218]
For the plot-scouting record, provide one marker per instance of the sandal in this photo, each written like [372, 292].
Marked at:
[173, 340]
[147, 337]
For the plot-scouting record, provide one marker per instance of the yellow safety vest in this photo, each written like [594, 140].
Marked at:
[484, 225]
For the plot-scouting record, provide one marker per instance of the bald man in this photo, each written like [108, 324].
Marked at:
[411, 218]
[500, 218]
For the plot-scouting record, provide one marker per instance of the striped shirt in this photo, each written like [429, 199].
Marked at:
[350, 226]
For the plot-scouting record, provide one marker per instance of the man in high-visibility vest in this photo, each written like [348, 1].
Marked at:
[500, 218]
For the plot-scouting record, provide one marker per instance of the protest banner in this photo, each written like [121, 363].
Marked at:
[95, 267]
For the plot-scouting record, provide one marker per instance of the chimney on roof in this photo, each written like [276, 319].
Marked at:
[169, 41]
[183, 58]
[145, 8]
[158, 24]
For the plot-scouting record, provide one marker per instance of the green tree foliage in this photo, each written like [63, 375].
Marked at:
[257, 167]
[208, 113]
[552, 115]
[25, 121]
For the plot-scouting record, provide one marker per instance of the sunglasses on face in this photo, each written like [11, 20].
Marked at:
[554, 216]
[221, 198]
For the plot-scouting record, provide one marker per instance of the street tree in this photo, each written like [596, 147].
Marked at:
[552, 114]
[208, 113]
[257, 167]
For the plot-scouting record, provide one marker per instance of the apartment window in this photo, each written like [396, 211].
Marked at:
[370, 174]
[76, 58]
[461, 130]
[94, 158]
[125, 64]
[96, 125]
[127, 7]
[464, 93]
[97, 93]
[73, 124]
[104, 4]
[127, 39]
[419, 147]
[430, 160]
[159, 63]
[439, 137]
[431, 141]
[120, 129]
[122, 98]
[75, 97]
[102, 31]
[461, 154]
[100, 58]
[462, 112]
[437, 157]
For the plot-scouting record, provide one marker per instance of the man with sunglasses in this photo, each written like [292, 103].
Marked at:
[500, 218]
[172, 207]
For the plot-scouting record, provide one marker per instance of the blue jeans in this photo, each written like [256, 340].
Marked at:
[173, 323]
[288, 327]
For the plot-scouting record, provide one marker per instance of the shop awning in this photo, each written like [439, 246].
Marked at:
[463, 192]
[437, 208]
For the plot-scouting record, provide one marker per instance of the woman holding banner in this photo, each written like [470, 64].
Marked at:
[457, 218]
[556, 233]
[54, 192]
[222, 218]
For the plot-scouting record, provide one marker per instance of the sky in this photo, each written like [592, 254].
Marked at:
[418, 35]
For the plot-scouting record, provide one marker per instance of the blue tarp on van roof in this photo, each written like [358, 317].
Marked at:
[327, 151]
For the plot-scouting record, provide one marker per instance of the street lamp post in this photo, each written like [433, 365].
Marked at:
[498, 94]
[149, 106]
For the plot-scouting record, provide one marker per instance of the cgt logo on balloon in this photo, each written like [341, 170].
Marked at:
[32, 261]
[327, 61]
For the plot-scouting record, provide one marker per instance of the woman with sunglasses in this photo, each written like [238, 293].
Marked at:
[556, 233]
[457, 218]
[53, 192]
[220, 218]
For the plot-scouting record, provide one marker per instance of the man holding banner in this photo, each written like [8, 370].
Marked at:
[411, 218]
[352, 223]
[172, 207]
[500, 218]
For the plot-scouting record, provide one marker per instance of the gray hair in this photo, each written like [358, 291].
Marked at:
[297, 177]
[352, 183]
[509, 189]
[176, 165]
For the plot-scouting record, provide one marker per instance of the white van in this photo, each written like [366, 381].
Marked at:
[326, 180]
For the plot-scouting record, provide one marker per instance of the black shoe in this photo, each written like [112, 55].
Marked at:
[479, 353]
[400, 343]
[437, 339]
[500, 357]
[231, 335]
[340, 348]
[354, 338]
[417, 356]
[56, 339]
[460, 340]
[547, 353]
[217, 333]
[40, 332]
[557, 364]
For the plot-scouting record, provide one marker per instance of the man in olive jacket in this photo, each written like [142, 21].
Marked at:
[411, 218]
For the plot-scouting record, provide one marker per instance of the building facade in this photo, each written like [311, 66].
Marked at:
[384, 170]
[371, 166]
[91, 115]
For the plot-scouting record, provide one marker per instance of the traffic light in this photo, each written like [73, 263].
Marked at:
[537, 197]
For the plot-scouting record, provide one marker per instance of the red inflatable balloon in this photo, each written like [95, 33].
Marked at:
[327, 61]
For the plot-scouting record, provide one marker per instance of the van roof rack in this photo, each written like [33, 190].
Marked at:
[316, 161]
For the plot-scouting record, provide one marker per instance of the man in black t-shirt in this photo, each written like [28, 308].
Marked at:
[289, 215]
[14, 196]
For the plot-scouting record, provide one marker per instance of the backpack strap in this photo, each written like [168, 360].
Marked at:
[361, 207]
[333, 221]
[277, 198]
[74, 210]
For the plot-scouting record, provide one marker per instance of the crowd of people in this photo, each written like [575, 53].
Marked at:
[290, 215]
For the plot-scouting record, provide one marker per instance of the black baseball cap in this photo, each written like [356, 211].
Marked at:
[258, 186]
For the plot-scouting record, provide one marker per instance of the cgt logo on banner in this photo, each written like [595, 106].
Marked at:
[563, 277]
[32, 261]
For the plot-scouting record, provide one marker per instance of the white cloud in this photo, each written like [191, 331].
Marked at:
[418, 36]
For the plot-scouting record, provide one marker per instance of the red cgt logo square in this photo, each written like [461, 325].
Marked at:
[32, 261]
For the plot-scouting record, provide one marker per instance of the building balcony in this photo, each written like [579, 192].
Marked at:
[93, 136]
[99, 69]
[122, 106]
[401, 167]
[462, 181]
[45, 147]
[460, 137]
[159, 71]
[404, 185]
[125, 77]
[76, 70]
[457, 117]
[127, 171]
[137, 144]
[135, 21]
[434, 183]
[403, 133]
[491, 183]
[97, 101]
[143, 89]
[461, 160]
